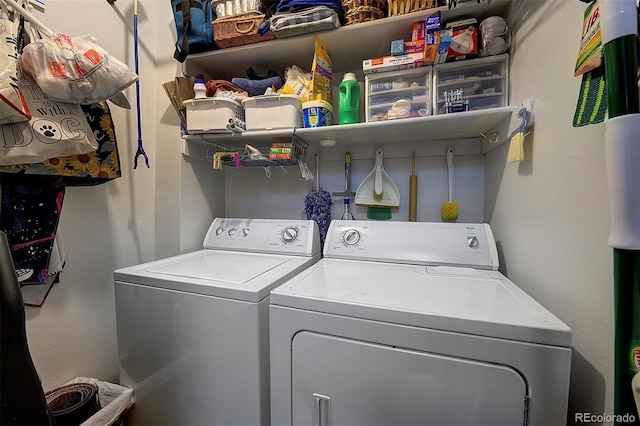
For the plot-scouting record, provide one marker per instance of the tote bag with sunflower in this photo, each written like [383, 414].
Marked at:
[92, 168]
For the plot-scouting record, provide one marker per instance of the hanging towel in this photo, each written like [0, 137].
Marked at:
[592, 101]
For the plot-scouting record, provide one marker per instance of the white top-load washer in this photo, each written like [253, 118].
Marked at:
[410, 323]
[193, 329]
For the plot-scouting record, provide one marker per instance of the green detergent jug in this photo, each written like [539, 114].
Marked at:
[349, 100]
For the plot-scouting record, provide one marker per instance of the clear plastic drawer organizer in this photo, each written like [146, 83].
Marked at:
[482, 83]
[398, 94]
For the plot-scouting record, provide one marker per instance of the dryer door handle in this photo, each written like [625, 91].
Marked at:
[321, 410]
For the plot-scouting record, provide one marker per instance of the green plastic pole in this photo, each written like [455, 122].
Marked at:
[627, 329]
[621, 63]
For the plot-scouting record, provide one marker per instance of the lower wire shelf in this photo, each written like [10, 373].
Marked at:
[279, 154]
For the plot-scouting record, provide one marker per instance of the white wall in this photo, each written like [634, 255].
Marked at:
[549, 213]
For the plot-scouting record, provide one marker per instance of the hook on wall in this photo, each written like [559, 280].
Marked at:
[491, 137]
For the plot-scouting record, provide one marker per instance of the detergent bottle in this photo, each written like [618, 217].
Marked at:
[199, 88]
[349, 100]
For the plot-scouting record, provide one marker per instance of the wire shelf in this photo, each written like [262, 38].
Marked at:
[279, 154]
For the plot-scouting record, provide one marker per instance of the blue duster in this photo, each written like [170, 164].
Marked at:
[317, 206]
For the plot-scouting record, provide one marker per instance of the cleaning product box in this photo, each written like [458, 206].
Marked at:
[414, 46]
[321, 72]
[280, 153]
[444, 46]
[418, 30]
[284, 151]
[464, 39]
[392, 63]
[431, 39]
[397, 47]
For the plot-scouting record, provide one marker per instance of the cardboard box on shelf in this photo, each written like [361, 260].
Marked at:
[392, 63]
[464, 39]
[432, 38]
[414, 46]
[397, 47]
[418, 31]
[443, 46]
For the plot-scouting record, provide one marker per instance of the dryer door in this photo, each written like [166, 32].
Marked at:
[339, 381]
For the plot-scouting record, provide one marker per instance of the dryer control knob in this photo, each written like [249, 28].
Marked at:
[232, 231]
[245, 231]
[290, 234]
[473, 242]
[351, 237]
[219, 230]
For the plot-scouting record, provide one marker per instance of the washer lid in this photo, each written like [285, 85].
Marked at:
[230, 274]
[464, 300]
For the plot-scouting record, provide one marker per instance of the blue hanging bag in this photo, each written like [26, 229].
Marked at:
[193, 20]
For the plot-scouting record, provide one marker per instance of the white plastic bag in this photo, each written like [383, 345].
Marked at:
[296, 83]
[13, 107]
[75, 69]
[114, 401]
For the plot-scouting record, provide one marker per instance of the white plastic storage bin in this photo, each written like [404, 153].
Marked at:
[484, 82]
[268, 112]
[398, 94]
[211, 115]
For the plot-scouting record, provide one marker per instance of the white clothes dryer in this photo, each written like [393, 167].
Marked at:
[193, 329]
[410, 323]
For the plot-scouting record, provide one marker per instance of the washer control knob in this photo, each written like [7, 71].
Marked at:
[245, 231]
[232, 231]
[351, 237]
[219, 230]
[473, 242]
[290, 234]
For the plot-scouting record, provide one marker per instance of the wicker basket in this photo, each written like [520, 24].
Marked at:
[356, 11]
[240, 30]
[400, 7]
